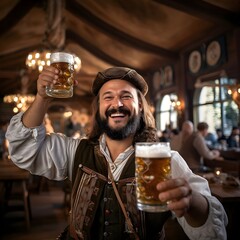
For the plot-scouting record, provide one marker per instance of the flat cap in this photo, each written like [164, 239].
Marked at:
[122, 73]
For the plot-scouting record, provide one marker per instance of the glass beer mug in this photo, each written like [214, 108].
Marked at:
[64, 62]
[153, 165]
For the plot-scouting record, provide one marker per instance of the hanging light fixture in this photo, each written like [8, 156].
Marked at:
[54, 38]
[21, 100]
[38, 59]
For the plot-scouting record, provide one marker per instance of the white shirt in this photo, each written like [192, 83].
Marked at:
[119, 163]
[52, 156]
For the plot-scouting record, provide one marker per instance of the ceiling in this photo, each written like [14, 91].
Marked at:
[141, 34]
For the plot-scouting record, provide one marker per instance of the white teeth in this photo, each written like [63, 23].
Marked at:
[117, 115]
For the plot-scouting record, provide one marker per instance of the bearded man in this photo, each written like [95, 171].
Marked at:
[102, 167]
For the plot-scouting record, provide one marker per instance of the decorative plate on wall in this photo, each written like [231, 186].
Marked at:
[157, 80]
[168, 76]
[213, 53]
[195, 61]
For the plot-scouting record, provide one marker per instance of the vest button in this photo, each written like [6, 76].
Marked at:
[107, 212]
[106, 223]
[105, 234]
[105, 199]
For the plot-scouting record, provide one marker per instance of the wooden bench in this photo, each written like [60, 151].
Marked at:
[9, 175]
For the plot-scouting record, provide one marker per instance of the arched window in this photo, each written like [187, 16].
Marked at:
[214, 105]
[166, 115]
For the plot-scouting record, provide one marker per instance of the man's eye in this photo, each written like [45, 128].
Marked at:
[126, 97]
[107, 98]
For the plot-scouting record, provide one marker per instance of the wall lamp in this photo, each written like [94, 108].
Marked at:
[177, 105]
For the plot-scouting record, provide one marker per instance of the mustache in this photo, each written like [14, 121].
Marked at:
[122, 110]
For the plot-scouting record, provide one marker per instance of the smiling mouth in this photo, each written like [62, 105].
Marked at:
[117, 115]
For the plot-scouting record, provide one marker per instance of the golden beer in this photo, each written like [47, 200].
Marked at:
[153, 165]
[64, 62]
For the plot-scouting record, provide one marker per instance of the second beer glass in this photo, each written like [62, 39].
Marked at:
[153, 165]
[64, 62]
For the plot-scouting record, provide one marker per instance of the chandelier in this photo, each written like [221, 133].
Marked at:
[39, 59]
[54, 39]
[21, 101]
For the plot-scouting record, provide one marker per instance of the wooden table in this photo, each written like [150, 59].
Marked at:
[230, 199]
[225, 194]
[230, 154]
[227, 165]
[9, 174]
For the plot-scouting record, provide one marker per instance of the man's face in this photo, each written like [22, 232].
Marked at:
[119, 109]
[205, 132]
[236, 131]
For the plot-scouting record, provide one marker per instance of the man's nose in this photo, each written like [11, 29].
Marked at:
[117, 102]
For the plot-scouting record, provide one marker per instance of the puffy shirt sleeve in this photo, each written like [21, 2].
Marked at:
[48, 155]
[215, 226]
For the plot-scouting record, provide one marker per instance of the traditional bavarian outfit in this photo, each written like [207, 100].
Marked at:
[95, 212]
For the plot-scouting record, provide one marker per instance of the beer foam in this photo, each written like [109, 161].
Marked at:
[61, 57]
[152, 150]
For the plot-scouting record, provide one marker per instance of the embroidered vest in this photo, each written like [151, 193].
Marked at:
[95, 212]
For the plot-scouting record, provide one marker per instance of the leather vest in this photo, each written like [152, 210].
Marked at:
[95, 211]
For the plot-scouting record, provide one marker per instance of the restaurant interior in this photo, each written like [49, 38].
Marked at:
[187, 51]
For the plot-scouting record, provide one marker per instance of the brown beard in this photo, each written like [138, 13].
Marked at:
[122, 133]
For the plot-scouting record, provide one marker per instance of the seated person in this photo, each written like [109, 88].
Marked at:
[211, 140]
[221, 140]
[165, 136]
[195, 148]
[220, 136]
[233, 139]
[179, 139]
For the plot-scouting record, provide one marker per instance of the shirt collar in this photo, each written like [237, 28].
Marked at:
[121, 157]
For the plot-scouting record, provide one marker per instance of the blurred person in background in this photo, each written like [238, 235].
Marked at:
[174, 132]
[233, 139]
[178, 140]
[48, 124]
[165, 136]
[221, 140]
[211, 140]
[220, 135]
[195, 149]
[3, 140]
[79, 124]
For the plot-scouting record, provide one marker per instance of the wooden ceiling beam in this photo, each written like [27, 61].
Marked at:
[204, 10]
[81, 12]
[16, 58]
[9, 74]
[16, 14]
[92, 49]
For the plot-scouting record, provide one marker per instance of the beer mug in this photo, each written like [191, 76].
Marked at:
[153, 165]
[64, 62]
